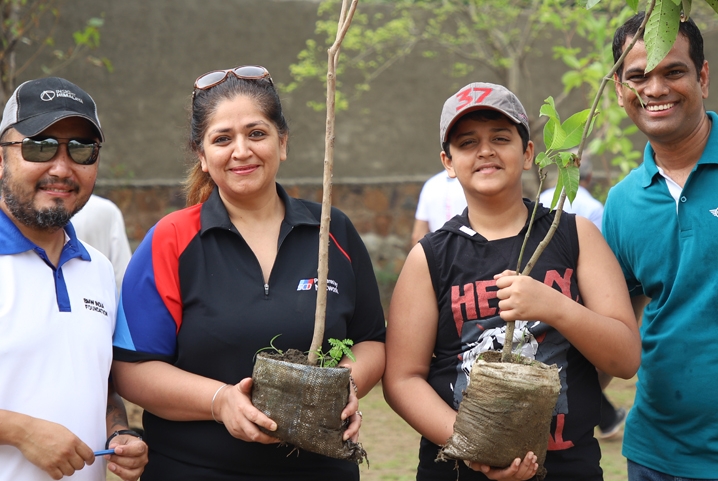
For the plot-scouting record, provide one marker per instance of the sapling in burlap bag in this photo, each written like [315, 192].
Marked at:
[305, 400]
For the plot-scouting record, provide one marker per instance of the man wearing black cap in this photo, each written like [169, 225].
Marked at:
[57, 297]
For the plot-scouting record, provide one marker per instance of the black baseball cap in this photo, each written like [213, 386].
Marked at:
[37, 104]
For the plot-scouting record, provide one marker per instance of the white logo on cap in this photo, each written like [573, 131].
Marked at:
[47, 95]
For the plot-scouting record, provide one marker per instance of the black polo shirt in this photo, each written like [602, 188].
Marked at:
[194, 296]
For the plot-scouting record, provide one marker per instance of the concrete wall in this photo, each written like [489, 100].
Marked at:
[159, 47]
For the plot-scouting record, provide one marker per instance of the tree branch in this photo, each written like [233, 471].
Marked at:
[320, 314]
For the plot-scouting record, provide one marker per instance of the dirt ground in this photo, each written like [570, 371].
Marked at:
[393, 446]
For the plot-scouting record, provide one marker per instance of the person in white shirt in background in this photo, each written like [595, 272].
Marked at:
[587, 206]
[440, 199]
[100, 224]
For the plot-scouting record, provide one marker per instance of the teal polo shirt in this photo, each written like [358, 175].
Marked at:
[670, 254]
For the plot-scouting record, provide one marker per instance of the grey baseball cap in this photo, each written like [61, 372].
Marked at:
[37, 104]
[478, 96]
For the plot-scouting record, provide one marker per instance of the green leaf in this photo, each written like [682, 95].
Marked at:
[565, 159]
[553, 135]
[633, 4]
[108, 64]
[548, 109]
[569, 178]
[573, 126]
[571, 80]
[95, 22]
[589, 5]
[677, 2]
[543, 160]
[687, 6]
[713, 4]
[661, 31]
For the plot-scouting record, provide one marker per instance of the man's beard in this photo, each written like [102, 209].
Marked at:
[20, 204]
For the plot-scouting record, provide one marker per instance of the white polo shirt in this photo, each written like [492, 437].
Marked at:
[56, 330]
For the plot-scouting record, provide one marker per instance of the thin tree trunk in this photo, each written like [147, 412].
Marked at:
[511, 325]
[320, 314]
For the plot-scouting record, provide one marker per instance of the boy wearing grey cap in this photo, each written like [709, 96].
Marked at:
[57, 298]
[457, 288]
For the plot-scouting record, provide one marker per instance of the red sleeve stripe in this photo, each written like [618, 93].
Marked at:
[340, 247]
[172, 235]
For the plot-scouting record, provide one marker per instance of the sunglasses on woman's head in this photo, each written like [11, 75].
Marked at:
[44, 150]
[216, 77]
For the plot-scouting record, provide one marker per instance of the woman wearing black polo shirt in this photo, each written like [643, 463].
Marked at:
[215, 282]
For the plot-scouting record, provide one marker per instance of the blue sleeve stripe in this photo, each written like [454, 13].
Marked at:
[122, 337]
[147, 323]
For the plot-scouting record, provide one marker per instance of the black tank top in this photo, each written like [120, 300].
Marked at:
[462, 265]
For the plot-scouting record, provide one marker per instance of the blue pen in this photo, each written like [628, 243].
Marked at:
[104, 451]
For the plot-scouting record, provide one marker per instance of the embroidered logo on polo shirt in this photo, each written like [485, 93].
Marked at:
[96, 306]
[307, 284]
[714, 211]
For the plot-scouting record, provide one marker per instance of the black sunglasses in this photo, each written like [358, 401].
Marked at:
[45, 150]
[216, 77]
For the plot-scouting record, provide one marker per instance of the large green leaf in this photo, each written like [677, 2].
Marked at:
[553, 135]
[557, 192]
[633, 4]
[569, 178]
[713, 4]
[573, 126]
[661, 31]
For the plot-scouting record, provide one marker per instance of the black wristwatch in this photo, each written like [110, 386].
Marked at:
[122, 431]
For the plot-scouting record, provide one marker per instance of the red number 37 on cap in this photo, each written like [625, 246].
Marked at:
[472, 95]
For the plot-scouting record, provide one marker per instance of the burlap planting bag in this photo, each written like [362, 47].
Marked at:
[506, 412]
[306, 402]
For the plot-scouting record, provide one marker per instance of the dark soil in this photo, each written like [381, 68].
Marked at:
[290, 355]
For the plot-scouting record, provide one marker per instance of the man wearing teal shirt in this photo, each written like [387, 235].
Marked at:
[662, 223]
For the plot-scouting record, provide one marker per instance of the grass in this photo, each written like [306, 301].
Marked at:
[393, 446]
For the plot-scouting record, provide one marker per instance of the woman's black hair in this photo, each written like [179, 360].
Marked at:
[198, 184]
